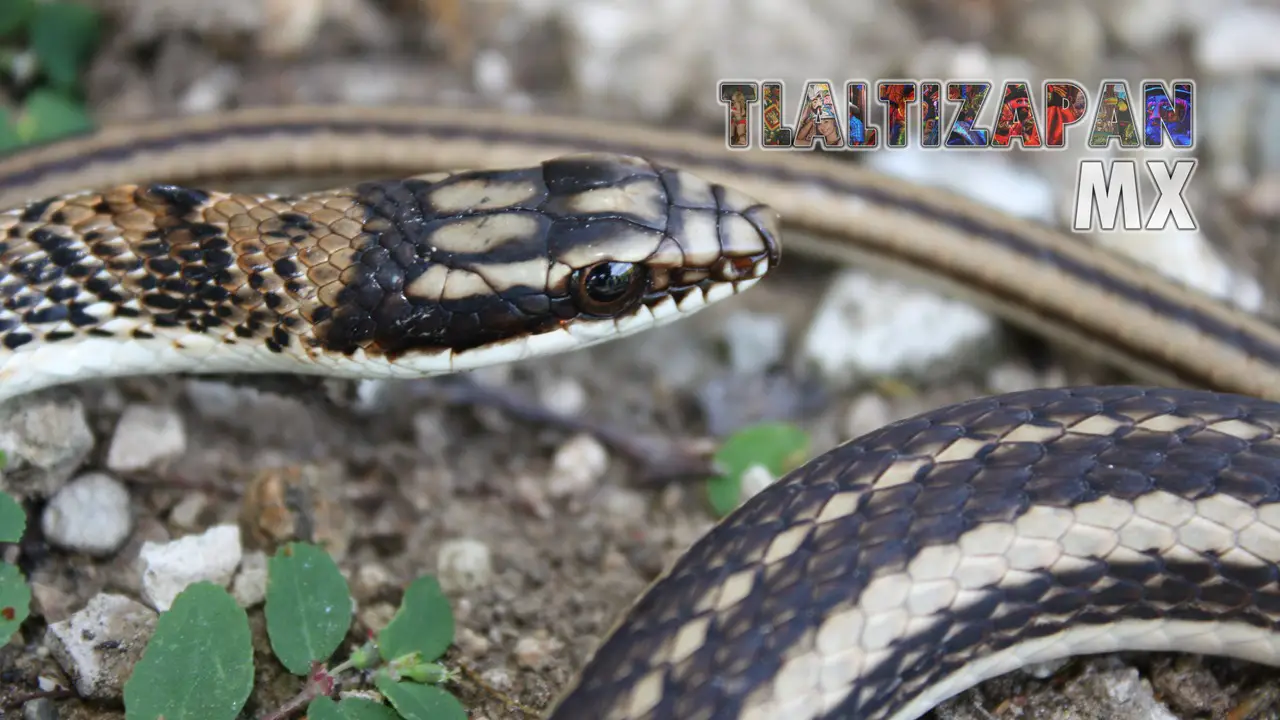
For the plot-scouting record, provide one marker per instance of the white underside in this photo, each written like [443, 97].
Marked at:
[41, 365]
[1240, 641]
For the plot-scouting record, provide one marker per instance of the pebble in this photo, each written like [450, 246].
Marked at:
[99, 645]
[40, 709]
[533, 652]
[755, 341]
[463, 565]
[531, 494]
[498, 679]
[867, 325]
[1010, 377]
[371, 579]
[563, 395]
[186, 514]
[249, 588]
[297, 503]
[868, 412]
[144, 437]
[754, 480]
[44, 440]
[377, 616]
[168, 568]
[91, 514]
[471, 642]
[623, 503]
[578, 466]
[50, 602]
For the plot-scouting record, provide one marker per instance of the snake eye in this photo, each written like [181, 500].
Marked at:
[608, 287]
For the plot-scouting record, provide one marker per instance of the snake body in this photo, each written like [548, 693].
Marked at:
[875, 581]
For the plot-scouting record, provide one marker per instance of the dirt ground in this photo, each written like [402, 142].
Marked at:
[416, 474]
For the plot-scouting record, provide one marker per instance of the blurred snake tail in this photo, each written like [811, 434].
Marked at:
[870, 584]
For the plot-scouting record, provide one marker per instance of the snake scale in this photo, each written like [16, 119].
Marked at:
[875, 581]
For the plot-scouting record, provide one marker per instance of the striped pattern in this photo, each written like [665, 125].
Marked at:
[401, 278]
[903, 567]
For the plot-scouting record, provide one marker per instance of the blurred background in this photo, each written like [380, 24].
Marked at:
[564, 549]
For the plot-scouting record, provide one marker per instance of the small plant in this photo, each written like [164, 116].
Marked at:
[44, 47]
[777, 447]
[199, 663]
[15, 596]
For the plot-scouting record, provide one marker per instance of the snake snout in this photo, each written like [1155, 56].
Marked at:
[749, 235]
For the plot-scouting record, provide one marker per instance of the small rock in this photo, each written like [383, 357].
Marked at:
[1010, 377]
[371, 579]
[754, 481]
[168, 568]
[868, 412]
[44, 683]
[44, 440]
[755, 341]
[532, 494]
[250, 585]
[877, 326]
[623, 503]
[186, 514]
[498, 679]
[145, 437]
[429, 432]
[563, 395]
[98, 646]
[471, 642]
[91, 514]
[40, 709]
[297, 503]
[463, 565]
[577, 466]
[50, 602]
[377, 616]
[533, 652]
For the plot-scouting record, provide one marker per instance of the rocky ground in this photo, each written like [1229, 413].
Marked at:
[542, 537]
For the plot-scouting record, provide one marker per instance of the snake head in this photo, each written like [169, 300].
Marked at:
[493, 266]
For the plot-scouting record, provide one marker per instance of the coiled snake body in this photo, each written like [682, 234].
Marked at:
[875, 581]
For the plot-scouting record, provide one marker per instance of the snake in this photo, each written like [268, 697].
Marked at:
[874, 581]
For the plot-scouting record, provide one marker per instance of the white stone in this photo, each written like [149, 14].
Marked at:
[463, 565]
[144, 437]
[99, 645]
[91, 514]
[168, 568]
[867, 325]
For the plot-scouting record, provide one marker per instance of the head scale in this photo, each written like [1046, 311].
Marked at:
[495, 265]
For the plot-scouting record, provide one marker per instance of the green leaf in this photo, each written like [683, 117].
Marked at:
[15, 601]
[420, 702]
[13, 521]
[63, 35]
[779, 447]
[423, 623]
[351, 708]
[308, 606]
[49, 115]
[199, 663]
[14, 15]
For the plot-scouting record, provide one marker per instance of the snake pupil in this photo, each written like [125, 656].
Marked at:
[609, 281]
